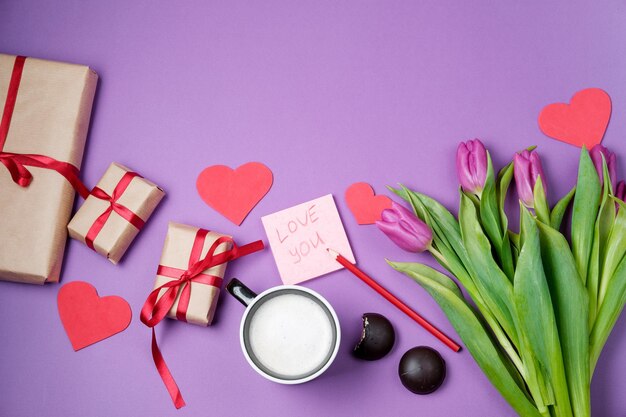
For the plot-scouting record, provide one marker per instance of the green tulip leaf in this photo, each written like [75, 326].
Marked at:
[598, 262]
[609, 310]
[504, 180]
[541, 204]
[535, 316]
[615, 247]
[489, 213]
[584, 212]
[556, 217]
[612, 293]
[493, 285]
[570, 303]
[491, 222]
[476, 339]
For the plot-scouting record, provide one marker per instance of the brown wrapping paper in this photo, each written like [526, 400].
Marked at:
[176, 251]
[51, 118]
[141, 197]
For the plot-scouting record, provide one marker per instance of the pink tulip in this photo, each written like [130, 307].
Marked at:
[471, 165]
[596, 154]
[526, 169]
[405, 229]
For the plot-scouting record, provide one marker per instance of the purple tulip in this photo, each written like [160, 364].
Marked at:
[596, 154]
[405, 229]
[471, 165]
[526, 168]
[620, 191]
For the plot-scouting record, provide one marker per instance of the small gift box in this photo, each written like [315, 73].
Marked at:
[185, 246]
[45, 108]
[188, 283]
[115, 211]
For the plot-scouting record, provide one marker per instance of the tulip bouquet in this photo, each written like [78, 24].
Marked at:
[542, 305]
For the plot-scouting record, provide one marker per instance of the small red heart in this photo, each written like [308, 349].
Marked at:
[87, 318]
[234, 193]
[582, 122]
[364, 204]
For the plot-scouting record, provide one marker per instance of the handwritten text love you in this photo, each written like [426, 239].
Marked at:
[299, 236]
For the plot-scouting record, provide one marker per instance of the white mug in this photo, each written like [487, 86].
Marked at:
[289, 334]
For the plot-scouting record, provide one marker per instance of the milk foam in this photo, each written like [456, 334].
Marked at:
[291, 335]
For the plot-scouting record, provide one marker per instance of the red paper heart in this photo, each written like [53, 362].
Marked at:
[582, 122]
[364, 204]
[234, 193]
[88, 318]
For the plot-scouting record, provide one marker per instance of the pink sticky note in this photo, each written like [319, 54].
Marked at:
[300, 235]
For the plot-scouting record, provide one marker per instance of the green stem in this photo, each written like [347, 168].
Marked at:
[504, 342]
[493, 324]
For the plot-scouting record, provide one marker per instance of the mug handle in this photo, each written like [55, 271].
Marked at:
[242, 293]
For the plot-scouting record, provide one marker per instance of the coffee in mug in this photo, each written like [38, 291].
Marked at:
[289, 334]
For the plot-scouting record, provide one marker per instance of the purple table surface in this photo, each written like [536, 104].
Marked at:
[325, 93]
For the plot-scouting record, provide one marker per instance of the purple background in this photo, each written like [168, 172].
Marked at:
[325, 93]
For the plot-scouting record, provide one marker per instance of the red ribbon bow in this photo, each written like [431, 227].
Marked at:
[114, 206]
[155, 309]
[15, 163]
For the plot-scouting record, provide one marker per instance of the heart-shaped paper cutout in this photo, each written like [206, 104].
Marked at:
[88, 318]
[364, 204]
[234, 193]
[582, 122]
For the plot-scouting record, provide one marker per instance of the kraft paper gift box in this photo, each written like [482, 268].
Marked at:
[177, 251]
[188, 283]
[104, 229]
[50, 116]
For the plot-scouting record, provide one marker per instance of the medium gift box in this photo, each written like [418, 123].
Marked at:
[45, 107]
[115, 211]
[184, 246]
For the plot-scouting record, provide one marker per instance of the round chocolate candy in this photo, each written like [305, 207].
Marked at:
[377, 337]
[422, 370]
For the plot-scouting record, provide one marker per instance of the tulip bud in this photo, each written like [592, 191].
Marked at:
[526, 168]
[405, 229]
[471, 165]
[596, 154]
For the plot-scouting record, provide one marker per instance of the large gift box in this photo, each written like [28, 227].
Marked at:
[115, 211]
[45, 107]
[184, 246]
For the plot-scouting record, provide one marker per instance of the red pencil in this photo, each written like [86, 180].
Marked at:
[394, 300]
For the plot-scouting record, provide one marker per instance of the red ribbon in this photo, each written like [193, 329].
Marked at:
[16, 163]
[155, 309]
[9, 104]
[114, 206]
